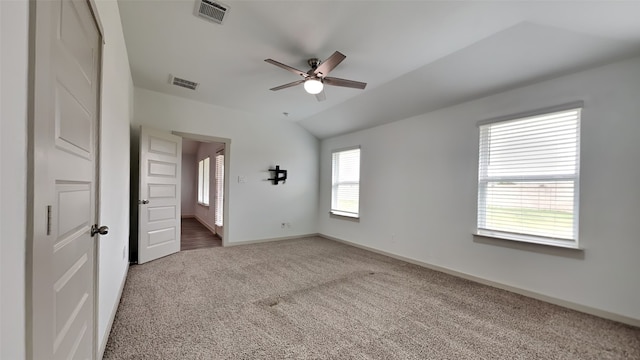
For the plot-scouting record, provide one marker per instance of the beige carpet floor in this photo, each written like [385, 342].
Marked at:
[317, 299]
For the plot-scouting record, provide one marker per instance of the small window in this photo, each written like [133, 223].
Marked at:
[345, 185]
[528, 178]
[203, 182]
[219, 197]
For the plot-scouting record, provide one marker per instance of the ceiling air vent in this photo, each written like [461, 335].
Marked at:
[212, 11]
[183, 83]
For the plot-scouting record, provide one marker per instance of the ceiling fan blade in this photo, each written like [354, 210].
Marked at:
[297, 82]
[344, 83]
[326, 66]
[321, 96]
[287, 67]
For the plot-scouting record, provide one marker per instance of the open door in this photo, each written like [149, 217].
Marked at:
[159, 203]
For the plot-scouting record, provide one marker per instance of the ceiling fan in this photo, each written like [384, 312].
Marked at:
[315, 79]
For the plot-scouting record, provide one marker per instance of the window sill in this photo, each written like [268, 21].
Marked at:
[344, 217]
[566, 244]
[203, 205]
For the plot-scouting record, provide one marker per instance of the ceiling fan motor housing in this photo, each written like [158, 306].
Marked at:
[313, 62]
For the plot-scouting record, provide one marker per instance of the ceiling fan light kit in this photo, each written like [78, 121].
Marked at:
[315, 79]
[313, 86]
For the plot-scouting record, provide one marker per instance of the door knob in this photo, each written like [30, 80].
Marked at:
[102, 230]
[143, 202]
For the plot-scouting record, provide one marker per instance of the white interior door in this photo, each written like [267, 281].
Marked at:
[159, 203]
[65, 143]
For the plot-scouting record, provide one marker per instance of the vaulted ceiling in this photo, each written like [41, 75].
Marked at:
[416, 56]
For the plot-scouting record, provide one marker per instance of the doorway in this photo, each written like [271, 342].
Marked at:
[202, 194]
[136, 200]
[223, 144]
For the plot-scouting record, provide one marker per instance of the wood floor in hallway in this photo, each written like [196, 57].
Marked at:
[194, 235]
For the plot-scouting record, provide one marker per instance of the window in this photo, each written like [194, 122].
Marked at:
[345, 184]
[528, 178]
[219, 197]
[203, 182]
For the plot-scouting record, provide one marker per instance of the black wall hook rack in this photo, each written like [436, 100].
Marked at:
[279, 175]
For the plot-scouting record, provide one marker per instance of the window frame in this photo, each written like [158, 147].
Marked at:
[484, 178]
[219, 192]
[337, 213]
[204, 186]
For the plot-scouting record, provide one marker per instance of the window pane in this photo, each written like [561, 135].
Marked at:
[541, 208]
[205, 182]
[528, 175]
[200, 179]
[345, 193]
[219, 179]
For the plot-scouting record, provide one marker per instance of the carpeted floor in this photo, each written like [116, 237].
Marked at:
[317, 299]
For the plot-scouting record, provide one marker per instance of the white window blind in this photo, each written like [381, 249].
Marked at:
[345, 188]
[219, 197]
[203, 181]
[528, 178]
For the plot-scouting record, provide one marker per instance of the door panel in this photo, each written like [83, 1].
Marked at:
[73, 123]
[162, 213]
[66, 97]
[159, 208]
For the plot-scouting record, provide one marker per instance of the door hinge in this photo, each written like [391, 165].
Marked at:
[48, 219]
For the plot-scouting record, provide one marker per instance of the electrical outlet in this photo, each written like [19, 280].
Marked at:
[124, 252]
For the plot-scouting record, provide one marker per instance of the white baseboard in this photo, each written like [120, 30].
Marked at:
[532, 294]
[249, 242]
[103, 345]
[204, 223]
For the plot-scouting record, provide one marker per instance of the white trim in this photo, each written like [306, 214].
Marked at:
[531, 113]
[531, 239]
[204, 223]
[344, 217]
[514, 289]
[96, 15]
[251, 242]
[345, 149]
[112, 318]
[345, 214]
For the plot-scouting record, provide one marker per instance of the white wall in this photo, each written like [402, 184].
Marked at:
[117, 89]
[188, 185]
[419, 183]
[13, 175]
[257, 208]
[207, 214]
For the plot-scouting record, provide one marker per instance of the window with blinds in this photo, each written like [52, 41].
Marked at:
[219, 196]
[528, 178]
[203, 182]
[345, 184]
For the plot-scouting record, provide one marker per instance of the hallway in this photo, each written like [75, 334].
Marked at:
[194, 235]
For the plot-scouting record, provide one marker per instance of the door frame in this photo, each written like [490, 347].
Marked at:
[227, 163]
[34, 221]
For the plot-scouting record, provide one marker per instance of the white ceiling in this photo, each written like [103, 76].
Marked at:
[416, 56]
